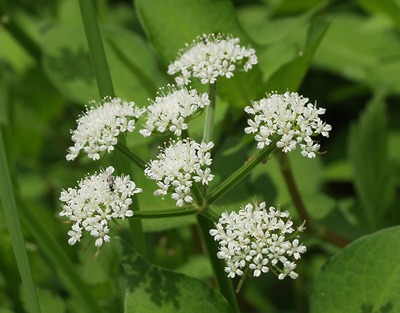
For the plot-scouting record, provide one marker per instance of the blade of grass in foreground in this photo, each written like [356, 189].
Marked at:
[66, 269]
[14, 227]
[106, 88]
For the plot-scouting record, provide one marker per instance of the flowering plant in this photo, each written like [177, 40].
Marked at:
[253, 240]
[208, 150]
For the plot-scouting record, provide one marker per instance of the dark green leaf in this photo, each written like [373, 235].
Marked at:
[153, 289]
[368, 154]
[364, 277]
[290, 75]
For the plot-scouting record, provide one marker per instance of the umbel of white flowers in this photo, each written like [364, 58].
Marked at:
[171, 110]
[99, 127]
[290, 117]
[178, 167]
[98, 199]
[211, 56]
[258, 240]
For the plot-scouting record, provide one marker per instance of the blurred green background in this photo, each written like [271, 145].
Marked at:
[46, 79]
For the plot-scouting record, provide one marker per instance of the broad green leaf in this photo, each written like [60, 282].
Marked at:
[267, 30]
[170, 25]
[290, 75]
[154, 289]
[197, 266]
[372, 170]
[368, 54]
[364, 277]
[389, 8]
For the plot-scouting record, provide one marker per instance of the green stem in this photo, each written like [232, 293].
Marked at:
[240, 173]
[311, 228]
[105, 86]
[7, 201]
[223, 281]
[210, 112]
[97, 53]
[165, 213]
[131, 155]
[205, 224]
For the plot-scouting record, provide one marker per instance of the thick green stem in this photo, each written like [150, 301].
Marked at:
[165, 213]
[210, 112]
[240, 173]
[223, 281]
[97, 53]
[130, 155]
[105, 86]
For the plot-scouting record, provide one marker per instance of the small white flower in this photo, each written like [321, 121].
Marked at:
[94, 202]
[291, 118]
[211, 56]
[257, 239]
[99, 127]
[178, 166]
[171, 111]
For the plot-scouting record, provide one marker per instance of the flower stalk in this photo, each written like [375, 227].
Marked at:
[239, 174]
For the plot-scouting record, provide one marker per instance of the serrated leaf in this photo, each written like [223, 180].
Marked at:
[153, 289]
[364, 277]
[368, 155]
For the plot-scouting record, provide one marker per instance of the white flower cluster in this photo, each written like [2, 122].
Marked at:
[178, 166]
[98, 199]
[99, 127]
[210, 56]
[289, 116]
[256, 239]
[171, 111]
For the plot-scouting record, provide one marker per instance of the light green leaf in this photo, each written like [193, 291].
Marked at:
[153, 289]
[369, 53]
[364, 277]
[368, 154]
[389, 8]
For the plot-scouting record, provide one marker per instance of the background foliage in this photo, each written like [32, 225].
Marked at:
[343, 54]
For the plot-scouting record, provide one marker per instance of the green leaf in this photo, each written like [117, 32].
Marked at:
[290, 75]
[67, 61]
[368, 155]
[154, 289]
[369, 53]
[389, 8]
[364, 277]
[10, 209]
[170, 25]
